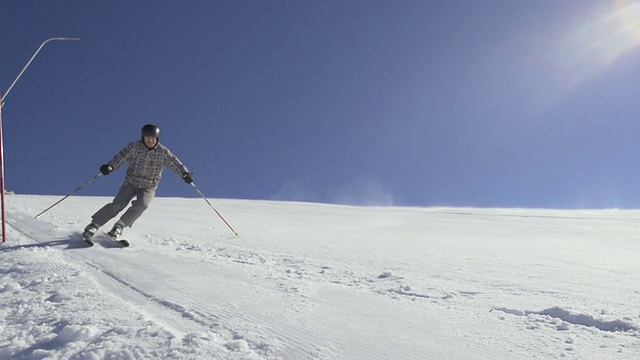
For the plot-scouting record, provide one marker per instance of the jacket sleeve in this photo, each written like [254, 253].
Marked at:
[123, 156]
[174, 163]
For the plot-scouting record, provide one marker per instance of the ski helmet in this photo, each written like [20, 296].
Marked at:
[150, 130]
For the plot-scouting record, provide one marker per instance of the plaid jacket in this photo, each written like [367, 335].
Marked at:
[146, 165]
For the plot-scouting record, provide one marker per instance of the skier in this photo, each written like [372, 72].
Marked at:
[147, 158]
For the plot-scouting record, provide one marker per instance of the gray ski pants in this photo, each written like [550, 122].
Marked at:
[126, 193]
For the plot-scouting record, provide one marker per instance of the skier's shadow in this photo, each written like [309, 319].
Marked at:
[70, 242]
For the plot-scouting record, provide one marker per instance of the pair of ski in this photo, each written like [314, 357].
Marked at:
[122, 242]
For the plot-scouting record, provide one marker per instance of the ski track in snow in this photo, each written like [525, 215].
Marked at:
[208, 315]
[231, 323]
[215, 321]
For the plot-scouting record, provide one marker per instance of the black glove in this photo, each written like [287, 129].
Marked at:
[187, 177]
[106, 169]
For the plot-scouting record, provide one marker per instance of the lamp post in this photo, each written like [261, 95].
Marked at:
[2, 98]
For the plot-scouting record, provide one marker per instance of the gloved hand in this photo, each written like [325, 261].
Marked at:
[187, 177]
[106, 169]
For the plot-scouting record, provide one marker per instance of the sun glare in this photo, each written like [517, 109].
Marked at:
[590, 45]
[619, 32]
[600, 41]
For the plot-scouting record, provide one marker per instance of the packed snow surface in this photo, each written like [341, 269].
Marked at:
[315, 281]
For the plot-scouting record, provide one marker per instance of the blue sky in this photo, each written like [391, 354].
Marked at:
[461, 103]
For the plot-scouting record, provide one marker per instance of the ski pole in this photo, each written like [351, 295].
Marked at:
[214, 209]
[69, 194]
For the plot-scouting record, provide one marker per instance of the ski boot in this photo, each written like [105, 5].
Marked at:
[88, 233]
[115, 232]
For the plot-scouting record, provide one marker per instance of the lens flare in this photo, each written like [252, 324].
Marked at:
[569, 52]
[599, 42]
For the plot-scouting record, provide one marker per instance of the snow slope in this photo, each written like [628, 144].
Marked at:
[313, 281]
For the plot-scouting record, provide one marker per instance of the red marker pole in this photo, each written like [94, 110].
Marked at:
[4, 228]
[4, 224]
